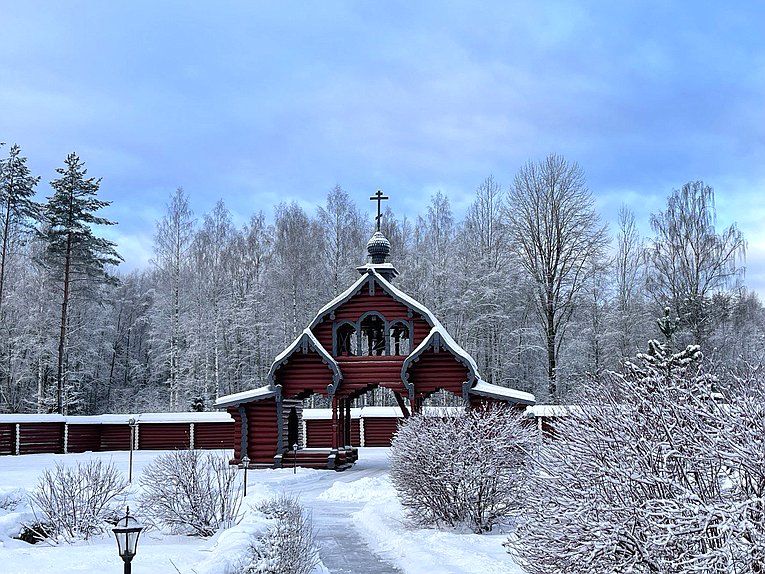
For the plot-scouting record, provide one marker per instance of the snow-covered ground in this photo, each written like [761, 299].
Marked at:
[350, 507]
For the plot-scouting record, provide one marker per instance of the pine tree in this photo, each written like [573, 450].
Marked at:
[74, 256]
[17, 187]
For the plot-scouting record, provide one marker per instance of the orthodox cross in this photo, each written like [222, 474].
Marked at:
[379, 197]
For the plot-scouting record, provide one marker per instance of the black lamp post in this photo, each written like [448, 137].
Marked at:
[245, 464]
[126, 532]
[133, 424]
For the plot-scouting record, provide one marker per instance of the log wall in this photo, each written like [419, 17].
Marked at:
[57, 434]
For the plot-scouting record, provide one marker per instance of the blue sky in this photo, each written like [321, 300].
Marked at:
[256, 103]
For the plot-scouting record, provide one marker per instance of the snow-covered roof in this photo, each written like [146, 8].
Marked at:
[376, 266]
[380, 412]
[552, 410]
[386, 286]
[306, 338]
[438, 335]
[485, 389]
[245, 397]
[100, 419]
[119, 419]
[32, 418]
[325, 414]
[188, 417]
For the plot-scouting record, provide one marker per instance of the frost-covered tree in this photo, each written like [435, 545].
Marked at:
[690, 260]
[17, 208]
[652, 471]
[298, 276]
[345, 235]
[18, 212]
[629, 279]
[489, 312]
[75, 257]
[171, 247]
[556, 233]
[210, 251]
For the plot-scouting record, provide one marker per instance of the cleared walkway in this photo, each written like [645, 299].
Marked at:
[342, 550]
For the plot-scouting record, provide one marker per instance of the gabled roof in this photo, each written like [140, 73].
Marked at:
[305, 341]
[372, 275]
[438, 338]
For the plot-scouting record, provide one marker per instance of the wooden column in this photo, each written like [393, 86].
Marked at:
[341, 424]
[348, 422]
[334, 422]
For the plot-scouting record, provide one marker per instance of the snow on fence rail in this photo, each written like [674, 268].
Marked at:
[370, 426]
[33, 434]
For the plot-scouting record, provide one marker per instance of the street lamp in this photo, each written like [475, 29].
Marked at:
[126, 532]
[133, 423]
[245, 464]
[294, 460]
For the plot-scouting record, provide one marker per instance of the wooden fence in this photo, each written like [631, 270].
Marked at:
[34, 434]
[31, 434]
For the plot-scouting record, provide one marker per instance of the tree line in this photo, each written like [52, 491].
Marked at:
[531, 282]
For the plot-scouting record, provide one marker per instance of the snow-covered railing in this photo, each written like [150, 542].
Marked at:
[52, 433]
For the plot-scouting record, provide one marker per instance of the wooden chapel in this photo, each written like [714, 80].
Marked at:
[372, 335]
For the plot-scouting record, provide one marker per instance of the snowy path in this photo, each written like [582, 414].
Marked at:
[356, 515]
[342, 549]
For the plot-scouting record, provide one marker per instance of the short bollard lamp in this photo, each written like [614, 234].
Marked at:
[126, 532]
[245, 466]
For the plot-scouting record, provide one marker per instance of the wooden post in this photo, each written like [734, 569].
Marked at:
[341, 425]
[348, 422]
[334, 423]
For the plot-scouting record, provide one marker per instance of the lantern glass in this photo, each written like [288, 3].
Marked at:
[126, 531]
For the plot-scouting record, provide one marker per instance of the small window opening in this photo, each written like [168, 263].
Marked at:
[372, 335]
[346, 340]
[399, 339]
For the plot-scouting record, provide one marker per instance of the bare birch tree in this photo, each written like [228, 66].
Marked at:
[555, 233]
[171, 244]
[690, 261]
[345, 236]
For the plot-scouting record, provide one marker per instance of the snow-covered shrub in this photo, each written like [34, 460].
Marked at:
[11, 499]
[74, 503]
[190, 492]
[460, 471]
[654, 470]
[287, 547]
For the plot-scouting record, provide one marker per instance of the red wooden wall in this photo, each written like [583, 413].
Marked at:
[7, 438]
[83, 438]
[319, 433]
[378, 431]
[163, 436]
[213, 435]
[262, 431]
[41, 437]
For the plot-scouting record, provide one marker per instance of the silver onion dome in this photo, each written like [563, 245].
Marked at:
[378, 247]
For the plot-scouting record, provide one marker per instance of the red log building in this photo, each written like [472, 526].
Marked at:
[372, 335]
